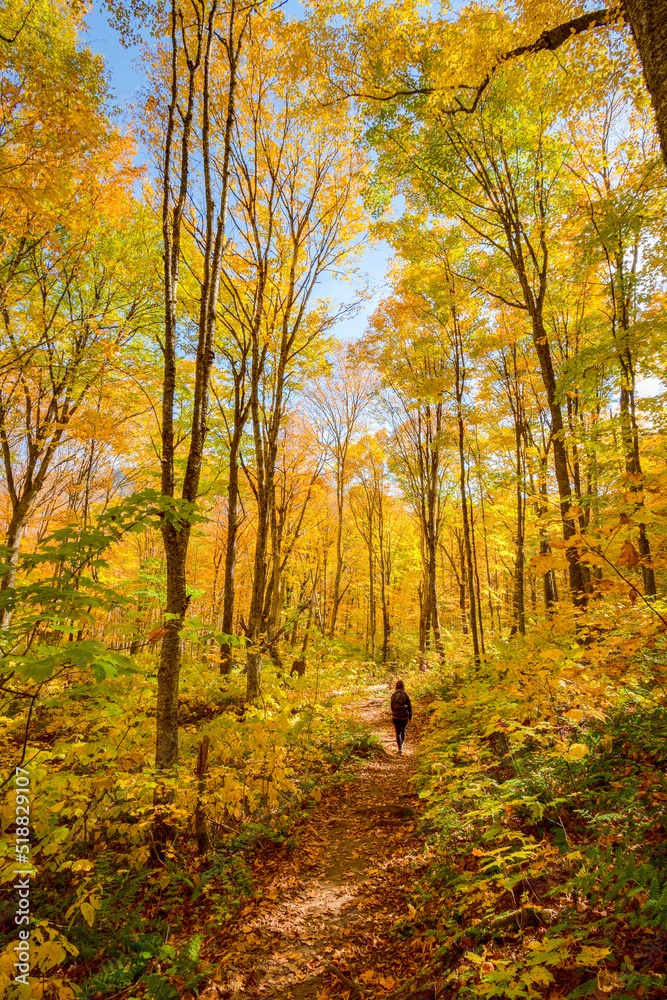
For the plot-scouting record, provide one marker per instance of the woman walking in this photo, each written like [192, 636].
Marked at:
[401, 713]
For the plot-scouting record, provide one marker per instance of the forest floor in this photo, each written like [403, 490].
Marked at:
[328, 906]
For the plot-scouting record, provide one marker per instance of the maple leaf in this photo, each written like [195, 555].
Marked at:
[629, 555]
[608, 981]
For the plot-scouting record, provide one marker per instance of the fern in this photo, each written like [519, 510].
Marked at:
[193, 947]
[159, 988]
[614, 877]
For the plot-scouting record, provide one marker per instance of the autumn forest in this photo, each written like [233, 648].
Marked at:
[250, 479]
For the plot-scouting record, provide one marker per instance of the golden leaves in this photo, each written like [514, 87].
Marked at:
[545, 561]
[576, 715]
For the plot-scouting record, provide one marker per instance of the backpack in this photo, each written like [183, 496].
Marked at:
[400, 702]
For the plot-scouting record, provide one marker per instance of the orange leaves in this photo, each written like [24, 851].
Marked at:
[608, 981]
[598, 587]
[629, 555]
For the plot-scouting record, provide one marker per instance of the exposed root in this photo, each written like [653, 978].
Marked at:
[356, 991]
[417, 989]
[396, 810]
[528, 916]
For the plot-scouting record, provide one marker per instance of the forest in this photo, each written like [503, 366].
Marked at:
[250, 480]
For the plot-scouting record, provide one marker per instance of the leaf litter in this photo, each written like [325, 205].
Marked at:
[328, 907]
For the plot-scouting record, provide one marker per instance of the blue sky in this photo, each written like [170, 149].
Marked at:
[122, 64]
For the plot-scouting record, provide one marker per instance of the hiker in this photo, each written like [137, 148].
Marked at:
[401, 712]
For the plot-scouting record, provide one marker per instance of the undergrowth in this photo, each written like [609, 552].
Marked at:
[546, 813]
[109, 918]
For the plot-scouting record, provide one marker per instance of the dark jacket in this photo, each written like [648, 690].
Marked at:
[401, 711]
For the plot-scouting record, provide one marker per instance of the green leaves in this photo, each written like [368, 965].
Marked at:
[62, 583]
[85, 655]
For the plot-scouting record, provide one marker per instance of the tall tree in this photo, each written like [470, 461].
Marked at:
[235, 348]
[339, 401]
[197, 82]
[74, 308]
[621, 184]
[374, 66]
[415, 380]
[498, 175]
[295, 219]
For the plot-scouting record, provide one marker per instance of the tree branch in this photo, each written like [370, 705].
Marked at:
[548, 41]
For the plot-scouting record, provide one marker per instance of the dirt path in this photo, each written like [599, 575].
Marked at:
[331, 903]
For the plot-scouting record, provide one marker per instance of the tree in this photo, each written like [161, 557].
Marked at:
[198, 122]
[415, 382]
[75, 304]
[379, 70]
[497, 174]
[65, 298]
[235, 348]
[339, 401]
[61, 160]
[294, 219]
[515, 391]
[621, 186]
[648, 19]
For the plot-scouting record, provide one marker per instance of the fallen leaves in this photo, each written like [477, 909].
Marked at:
[335, 899]
[608, 981]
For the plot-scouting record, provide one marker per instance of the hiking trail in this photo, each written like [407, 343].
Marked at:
[327, 907]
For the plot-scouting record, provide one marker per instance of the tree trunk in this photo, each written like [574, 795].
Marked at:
[306, 633]
[383, 581]
[13, 544]
[422, 623]
[136, 643]
[21, 500]
[386, 629]
[462, 586]
[230, 557]
[475, 563]
[470, 573]
[648, 19]
[371, 595]
[336, 597]
[485, 536]
[462, 606]
[572, 416]
[276, 596]
[254, 659]
[268, 599]
[168, 676]
[543, 352]
[519, 623]
[433, 596]
[630, 438]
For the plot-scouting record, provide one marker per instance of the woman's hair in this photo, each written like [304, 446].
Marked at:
[400, 686]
